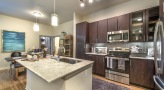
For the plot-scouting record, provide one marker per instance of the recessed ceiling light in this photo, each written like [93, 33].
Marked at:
[82, 4]
[90, 1]
[37, 14]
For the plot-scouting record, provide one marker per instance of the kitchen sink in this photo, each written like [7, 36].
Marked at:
[67, 60]
[70, 61]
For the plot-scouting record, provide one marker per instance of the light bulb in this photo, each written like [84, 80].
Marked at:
[82, 4]
[90, 1]
[54, 20]
[140, 19]
[36, 27]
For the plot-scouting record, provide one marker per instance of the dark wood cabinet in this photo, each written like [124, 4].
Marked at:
[93, 32]
[102, 31]
[152, 16]
[81, 39]
[80, 51]
[137, 26]
[112, 24]
[98, 65]
[161, 9]
[123, 22]
[82, 32]
[141, 72]
[92, 58]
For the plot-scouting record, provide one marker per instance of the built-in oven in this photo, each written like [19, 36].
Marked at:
[118, 36]
[118, 66]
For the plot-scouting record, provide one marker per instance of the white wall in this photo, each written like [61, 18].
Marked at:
[64, 27]
[127, 7]
[19, 25]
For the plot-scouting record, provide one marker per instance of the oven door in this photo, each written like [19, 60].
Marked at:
[116, 64]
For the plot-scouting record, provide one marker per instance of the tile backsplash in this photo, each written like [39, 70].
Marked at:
[143, 45]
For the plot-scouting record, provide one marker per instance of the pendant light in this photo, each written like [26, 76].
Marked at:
[54, 18]
[36, 25]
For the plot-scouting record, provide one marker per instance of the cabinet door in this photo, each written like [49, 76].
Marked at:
[149, 72]
[123, 22]
[93, 32]
[92, 58]
[102, 31]
[137, 26]
[141, 72]
[100, 65]
[161, 10]
[82, 32]
[80, 51]
[137, 72]
[152, 16]
[112, 24]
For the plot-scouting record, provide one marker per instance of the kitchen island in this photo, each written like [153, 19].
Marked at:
[49, 74]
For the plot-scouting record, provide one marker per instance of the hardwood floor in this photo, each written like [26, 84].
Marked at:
[7, 82]
[131, 87]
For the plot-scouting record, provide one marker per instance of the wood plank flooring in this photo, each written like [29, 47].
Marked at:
[7, 82]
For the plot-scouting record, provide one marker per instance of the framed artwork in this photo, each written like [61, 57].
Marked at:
[13, 41]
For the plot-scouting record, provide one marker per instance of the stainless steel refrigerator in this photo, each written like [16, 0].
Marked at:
[159, 55]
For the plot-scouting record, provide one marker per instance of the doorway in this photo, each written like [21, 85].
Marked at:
[47, 41]
[56, 44]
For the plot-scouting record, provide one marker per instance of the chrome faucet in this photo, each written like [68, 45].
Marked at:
[61, 51]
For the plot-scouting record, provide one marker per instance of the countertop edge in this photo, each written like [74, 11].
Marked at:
[148, 58]
[50, 81]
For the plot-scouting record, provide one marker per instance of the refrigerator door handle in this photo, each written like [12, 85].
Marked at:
[156, 78]
[159, 70]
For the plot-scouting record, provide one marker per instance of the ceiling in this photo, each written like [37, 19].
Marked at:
[23, 9]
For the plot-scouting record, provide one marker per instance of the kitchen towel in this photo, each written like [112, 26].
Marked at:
[109, 62]
[121, 64]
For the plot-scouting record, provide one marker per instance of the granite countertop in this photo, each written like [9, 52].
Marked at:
[145, 58]
[96, 53]
[51, 70]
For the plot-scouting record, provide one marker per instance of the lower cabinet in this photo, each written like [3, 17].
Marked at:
[80, 51]
[98, 65]
[141, 72]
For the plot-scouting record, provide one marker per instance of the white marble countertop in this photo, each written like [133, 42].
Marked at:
[146, 58]
[96, 53]
[51, 70]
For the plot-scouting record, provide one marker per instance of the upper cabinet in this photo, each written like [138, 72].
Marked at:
[98, 31]
[137, 26]
[152, 16]
[93, 32]
[123, 22]
[102, 31]
[161, 10]
[142, 24]
[112, 24]
[82, 32]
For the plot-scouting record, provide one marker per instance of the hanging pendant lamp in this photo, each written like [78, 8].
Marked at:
[54, 18]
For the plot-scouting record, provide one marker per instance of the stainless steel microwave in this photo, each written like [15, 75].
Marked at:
[118, 36]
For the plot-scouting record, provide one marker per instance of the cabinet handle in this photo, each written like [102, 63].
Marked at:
[84, 40]
[130, 63]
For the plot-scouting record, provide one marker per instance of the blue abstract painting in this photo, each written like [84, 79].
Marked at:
[13, 41]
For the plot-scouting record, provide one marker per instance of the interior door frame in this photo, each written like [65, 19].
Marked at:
[51, 41]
